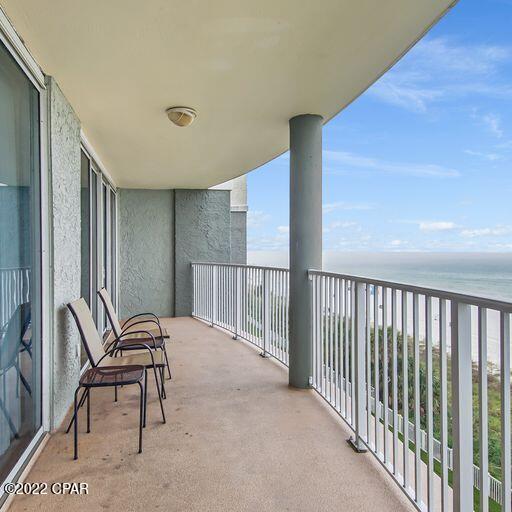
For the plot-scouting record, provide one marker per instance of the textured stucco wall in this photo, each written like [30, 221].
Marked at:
[65, 208]
[146, 251]
[202, 233]
[239, 237]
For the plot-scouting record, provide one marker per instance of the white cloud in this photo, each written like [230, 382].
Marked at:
[492, 157]
[405, 90]
[493, 123]
[268, 243]
[256, 218]
[437, 226]
[495, 231]
[338, 224]
[431, 73]
[283, 229]
[346, 159]
[398, 243]
[343, 205]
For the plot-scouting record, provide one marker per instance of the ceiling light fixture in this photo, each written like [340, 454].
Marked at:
[181, 116]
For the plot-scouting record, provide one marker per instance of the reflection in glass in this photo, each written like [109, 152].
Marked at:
[113, 245]
[20, 345]
[85, 226]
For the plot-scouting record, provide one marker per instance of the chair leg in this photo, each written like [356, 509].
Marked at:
[145, 395]
[115, 393]
[158, 391]
[88, 410]
[161, 369]
[167, 362]
[75, 425]
[141, 415]
[82, 400]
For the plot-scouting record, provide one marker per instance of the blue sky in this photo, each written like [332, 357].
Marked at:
[423, 160]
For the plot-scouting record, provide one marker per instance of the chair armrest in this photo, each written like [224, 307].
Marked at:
[125, 330]
[154, 317]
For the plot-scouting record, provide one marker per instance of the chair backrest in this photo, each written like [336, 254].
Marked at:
[111, 312]
[85, 322]
[15, 330]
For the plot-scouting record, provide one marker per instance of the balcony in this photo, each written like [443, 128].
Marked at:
[237, 438]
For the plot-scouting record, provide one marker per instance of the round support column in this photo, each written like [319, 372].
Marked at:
[305, 238]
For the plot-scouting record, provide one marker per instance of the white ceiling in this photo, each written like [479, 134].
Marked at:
[246, 66]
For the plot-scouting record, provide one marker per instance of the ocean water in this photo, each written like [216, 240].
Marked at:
[481, 274]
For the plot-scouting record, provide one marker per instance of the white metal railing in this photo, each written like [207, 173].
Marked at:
[249, 301]
[442, 371]
[14, 290]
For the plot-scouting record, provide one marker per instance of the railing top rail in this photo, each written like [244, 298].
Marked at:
[241, 265]
[472, 300]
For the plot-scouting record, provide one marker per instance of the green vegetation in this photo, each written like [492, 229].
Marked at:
[494, 399]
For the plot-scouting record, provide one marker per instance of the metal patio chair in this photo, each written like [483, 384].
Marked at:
[127, 330]
[105, 358]
[109, 376]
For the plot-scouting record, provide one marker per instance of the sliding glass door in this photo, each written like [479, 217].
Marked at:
[98, 226]
[20, 263]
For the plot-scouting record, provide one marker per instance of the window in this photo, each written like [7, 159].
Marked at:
[20, 263]
[98, 212]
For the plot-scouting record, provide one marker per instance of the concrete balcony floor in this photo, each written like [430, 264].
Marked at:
[237, 438]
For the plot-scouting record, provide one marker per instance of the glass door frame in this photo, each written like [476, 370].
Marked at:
[104, 237]
[42, 290]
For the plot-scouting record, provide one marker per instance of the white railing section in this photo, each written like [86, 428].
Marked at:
[431, 356]
[14, 290]
[249, 301]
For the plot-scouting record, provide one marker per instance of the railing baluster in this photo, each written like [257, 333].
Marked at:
[376, 371]
[346, 346]
[505, 410]
[329, 337]
[368, 365]
[385, 375]
[462, 407]
[319, 333]
[417, 400]
[430, 405]
[336, 344]
[483, 420]
[324, 336]
[405, 390]
[352, 350]
[394, 357]
[443, 369]
[266, 311]
[314, 320]
[358, 384]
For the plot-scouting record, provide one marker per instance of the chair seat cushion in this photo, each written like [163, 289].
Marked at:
[142, 358]
[112, 375]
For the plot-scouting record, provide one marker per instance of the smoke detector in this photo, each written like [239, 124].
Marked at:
[181, 116]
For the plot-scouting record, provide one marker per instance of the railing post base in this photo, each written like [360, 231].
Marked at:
[235, 337]
[357, 446]
[264, 354]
